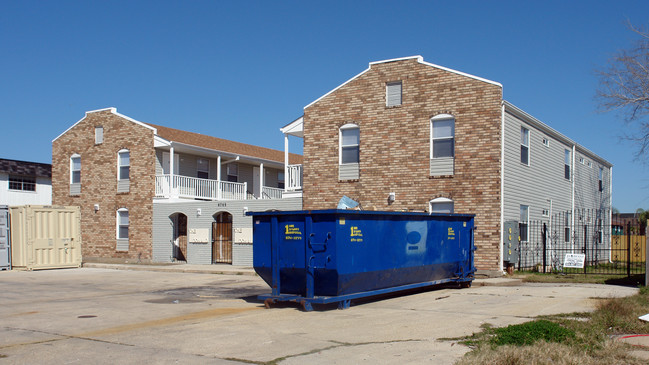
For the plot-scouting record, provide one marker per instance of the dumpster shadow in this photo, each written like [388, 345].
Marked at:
[359, 301]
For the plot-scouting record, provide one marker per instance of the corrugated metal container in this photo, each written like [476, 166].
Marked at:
[337, 255]
[45, 237]
[5, 249]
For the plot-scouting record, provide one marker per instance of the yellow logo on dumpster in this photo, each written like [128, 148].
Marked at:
[451, 233]
[290, 231]
[356, 232]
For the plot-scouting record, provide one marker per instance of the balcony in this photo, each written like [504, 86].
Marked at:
[206, 189]
[294, 177]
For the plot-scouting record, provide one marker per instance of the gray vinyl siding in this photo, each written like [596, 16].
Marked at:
[75, 189]
[199, 253]
[534, 185]
[245, 175]
[349, 171]
[158, 162]
[242, 254]
[587, 194]
[442, 166]
[163, 229]
[270, 179]
[123, 186]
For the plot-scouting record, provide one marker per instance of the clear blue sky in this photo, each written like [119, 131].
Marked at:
[240, 70]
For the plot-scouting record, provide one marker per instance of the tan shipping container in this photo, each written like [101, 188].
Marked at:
[45, 237]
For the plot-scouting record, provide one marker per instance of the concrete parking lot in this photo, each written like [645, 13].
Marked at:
[105, 316]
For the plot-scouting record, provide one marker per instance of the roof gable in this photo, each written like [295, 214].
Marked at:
[112, 110]
[419, 59]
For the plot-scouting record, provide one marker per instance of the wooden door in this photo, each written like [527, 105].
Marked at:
[222, 239]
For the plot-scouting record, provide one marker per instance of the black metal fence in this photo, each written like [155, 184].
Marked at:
[586, 242]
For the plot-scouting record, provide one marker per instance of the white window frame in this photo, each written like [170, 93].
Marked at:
[346, 127]
[601, 179]
[525, 144]
[441, 118]
[118, 222]
[440, 202]
[198, 168]
[546, 141]
[26, 183]
[119, 164]
[228, 171]
[99, 134]
[567, 163]
[281, 180]
[72, 170]
[524, 220]
[389, 86]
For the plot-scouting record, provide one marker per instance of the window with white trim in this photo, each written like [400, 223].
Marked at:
[525, 146]
[123, 165]
[442, 136]
[99, 134]
[567, 164]
[441, 205]
[233, 172]
[601, 179]
[75, 169]
[122, 224]
[566, 228]
[523, 223]
[546, 142]
[203, 168]
[393, 93]
[349, 144]
[280, 179]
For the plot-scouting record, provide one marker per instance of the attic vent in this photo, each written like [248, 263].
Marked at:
[393, 93]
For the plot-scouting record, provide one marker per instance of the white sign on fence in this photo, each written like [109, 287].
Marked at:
[574, 260]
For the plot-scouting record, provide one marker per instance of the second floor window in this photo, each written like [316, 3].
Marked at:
[124, 165]
[233, 172]
[349, 144]
[601, 179]
[280, 179]
[75, 169]
[203, 168]
[525, 146]
[567, 164]
[442, 138]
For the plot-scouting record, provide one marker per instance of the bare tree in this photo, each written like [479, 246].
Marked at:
[624, 86]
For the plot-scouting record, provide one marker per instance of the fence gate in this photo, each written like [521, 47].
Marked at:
[222, 239]
[590, 242]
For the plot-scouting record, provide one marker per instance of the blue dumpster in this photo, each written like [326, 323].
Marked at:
[330, 256]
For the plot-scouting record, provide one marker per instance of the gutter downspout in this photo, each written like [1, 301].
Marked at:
[572, 200]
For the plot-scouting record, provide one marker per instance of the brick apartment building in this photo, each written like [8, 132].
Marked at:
[409, 135]
[144, 190]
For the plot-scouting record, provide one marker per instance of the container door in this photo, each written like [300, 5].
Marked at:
[4, 239]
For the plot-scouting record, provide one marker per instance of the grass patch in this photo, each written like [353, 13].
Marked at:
[562, 278]
[530, 332]
[575, 338]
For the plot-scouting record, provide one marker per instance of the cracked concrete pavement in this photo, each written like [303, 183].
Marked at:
[103, 316]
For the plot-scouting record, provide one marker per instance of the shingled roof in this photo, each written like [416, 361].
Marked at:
[25, 168]
[223, 145]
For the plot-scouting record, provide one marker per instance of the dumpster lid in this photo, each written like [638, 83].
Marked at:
[357, 212]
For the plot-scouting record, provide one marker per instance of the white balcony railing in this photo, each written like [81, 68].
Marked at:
[294, 177]
[195, 188]
[271, 193]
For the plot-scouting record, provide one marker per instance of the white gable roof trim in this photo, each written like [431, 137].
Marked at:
[419, 59]
[112, 110]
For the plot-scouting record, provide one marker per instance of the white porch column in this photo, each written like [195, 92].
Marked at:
[261, 180]
[218, 177]
[172, 188]
[286, 179]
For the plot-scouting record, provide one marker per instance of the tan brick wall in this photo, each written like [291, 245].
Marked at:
[395, 145]
[99, 184]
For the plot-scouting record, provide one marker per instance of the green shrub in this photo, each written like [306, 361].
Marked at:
[530, 332]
